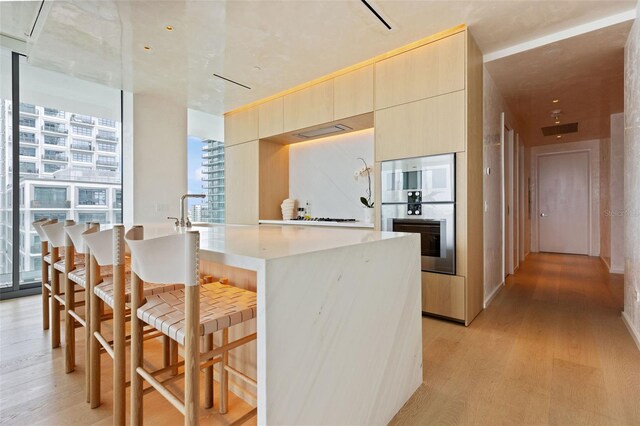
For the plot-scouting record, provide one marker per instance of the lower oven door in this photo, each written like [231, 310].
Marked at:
[436, 226]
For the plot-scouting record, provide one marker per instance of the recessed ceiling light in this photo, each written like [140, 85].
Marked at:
[557, 121]
[559, 136]
[169, 28]
[555, 101]
[147, 48]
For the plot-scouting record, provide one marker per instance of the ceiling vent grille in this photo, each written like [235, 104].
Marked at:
[560, 129]
[322, 131]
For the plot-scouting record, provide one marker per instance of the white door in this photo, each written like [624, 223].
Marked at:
[563, 203]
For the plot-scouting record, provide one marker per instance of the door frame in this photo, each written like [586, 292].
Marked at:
[593, 148]
[507, 141]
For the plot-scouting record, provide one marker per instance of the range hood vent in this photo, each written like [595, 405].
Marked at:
[323, 131]
[560, 129]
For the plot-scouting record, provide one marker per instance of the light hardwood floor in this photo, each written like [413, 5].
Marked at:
[551, 349]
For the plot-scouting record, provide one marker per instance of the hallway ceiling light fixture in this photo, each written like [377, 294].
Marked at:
[560, 129]
[559, 136]
[169, 28]
[147, 48]
[231, 81]
[555, 101]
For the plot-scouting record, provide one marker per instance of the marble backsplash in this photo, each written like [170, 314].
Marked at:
[321, 172]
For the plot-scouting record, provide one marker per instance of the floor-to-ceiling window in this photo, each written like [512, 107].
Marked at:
[206, 176]
[60, 157]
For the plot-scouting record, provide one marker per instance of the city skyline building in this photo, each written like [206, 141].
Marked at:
[69, 169]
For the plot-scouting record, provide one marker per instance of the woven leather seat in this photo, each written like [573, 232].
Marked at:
[79, 257]
[79, 263]
[79, 275]
[104, 290]
[221, 306]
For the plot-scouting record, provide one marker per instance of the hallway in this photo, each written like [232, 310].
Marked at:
[550, 349]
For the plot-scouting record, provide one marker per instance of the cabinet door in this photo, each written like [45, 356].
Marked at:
[430, 70]
[443, 295]
[353, 93]
[427, 127]
[308, 107]
[241, 126]
[271, 118]
[241, 183]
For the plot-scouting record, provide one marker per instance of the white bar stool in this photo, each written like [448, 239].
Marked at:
[185, 316]
[45, 262]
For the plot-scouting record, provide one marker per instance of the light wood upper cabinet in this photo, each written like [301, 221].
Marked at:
[310, 106]
[241, 183]
[271, 118]
[430, 70]
[427, 127]
[353, 93]
[241, 126]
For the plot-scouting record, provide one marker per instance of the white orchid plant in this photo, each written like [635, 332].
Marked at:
[363, 171]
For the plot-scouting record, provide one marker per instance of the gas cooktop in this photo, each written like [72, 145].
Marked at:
[323, 219]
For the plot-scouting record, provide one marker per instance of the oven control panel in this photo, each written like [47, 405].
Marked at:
[414, 203]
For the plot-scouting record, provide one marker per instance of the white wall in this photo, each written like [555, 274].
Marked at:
[631, 312]
[205, 126]
[616, 194]
[593, 147]
[494, 106]
[155, 158]
[321, 171]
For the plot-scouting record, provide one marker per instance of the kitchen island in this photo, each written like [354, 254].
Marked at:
[339, 319]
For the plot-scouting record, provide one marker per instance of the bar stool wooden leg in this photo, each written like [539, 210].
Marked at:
[96, 310]
[69, 321]
[119, 349]
[87, 332]
[55, 304]
[136, 351]
[224, 374]
[208, 374]
[44, 246]
[173, 356]
[166, 351]
[192, 356]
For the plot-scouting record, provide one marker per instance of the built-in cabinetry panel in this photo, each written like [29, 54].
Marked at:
[443, 295]
[271, 118]
[353, 93]
[427, 127]
[241, 126]
[309, 106]
[242, 183]
[274, 179]
[430, 70]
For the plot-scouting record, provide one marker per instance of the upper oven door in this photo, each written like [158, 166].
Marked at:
[433, 177]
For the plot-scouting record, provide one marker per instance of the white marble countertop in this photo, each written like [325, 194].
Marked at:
[358, 224]
[248, 246]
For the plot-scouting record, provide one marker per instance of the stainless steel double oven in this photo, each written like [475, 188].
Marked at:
[419, 195]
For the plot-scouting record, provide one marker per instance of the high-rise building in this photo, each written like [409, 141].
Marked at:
[212, 209]
[69, 169]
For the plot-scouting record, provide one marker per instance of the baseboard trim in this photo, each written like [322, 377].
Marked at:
[606, 263]
[493, 294]
[635, 334]
[616, 270]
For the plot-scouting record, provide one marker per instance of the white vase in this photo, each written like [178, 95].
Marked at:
[368, 215]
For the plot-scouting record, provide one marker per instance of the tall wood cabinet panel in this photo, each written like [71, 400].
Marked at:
[309, 106]
[241, 126]
[443, 295]
[271, 118]
[475, 177]
[241, 183]
[274, 179]
[353, 93]
[427, 127]
[430, 70]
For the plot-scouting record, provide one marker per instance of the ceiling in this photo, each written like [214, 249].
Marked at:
[267, 45]
[585, 73]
